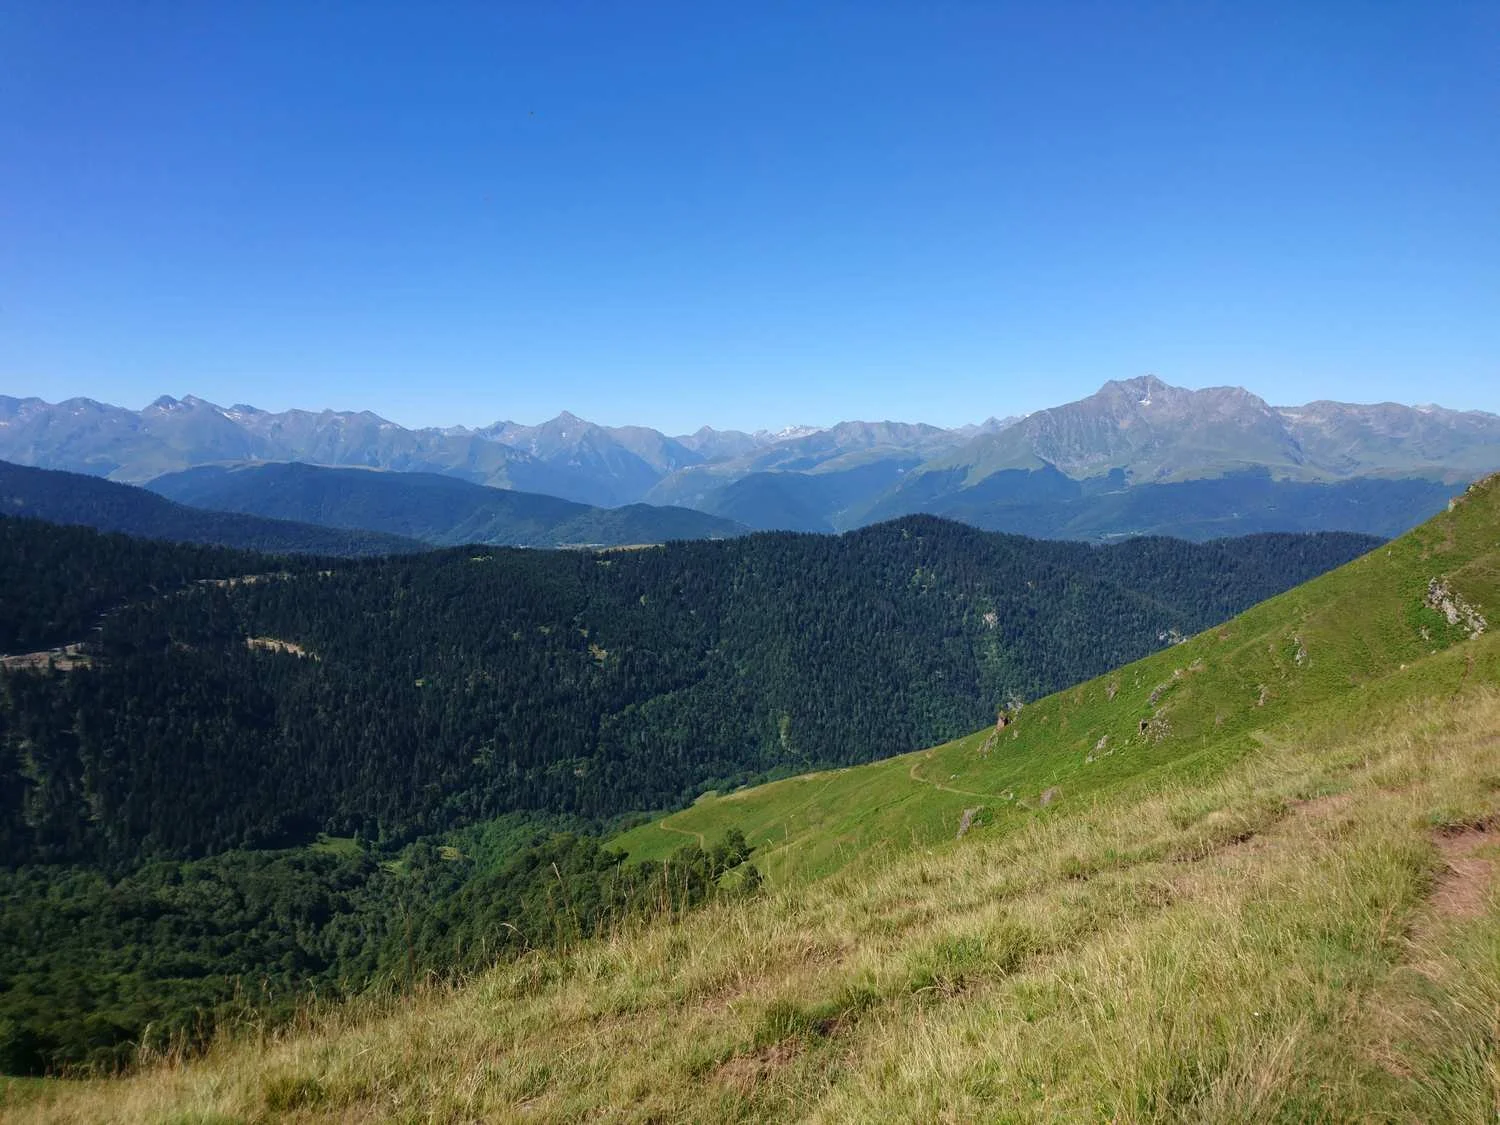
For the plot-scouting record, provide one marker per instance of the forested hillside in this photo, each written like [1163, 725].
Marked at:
[405, 696]
[262, 776]
[74, 498]
[58, 582]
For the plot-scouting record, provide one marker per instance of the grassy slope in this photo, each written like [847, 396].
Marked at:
[1275, 911]
[1202, 703]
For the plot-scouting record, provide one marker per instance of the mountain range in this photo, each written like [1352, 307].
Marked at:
[1139, 456]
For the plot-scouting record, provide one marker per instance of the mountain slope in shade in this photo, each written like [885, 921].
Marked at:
[76, 498]
[833, 497]
[437, 509]
[1047, 504]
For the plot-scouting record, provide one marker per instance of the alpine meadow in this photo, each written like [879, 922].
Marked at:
[699, 563]
[1247, 877]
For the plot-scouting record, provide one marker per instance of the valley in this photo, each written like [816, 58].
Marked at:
[683, 562]
[1291, 851]
[449, 714]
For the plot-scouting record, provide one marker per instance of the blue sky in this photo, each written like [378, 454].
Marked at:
[747, 214]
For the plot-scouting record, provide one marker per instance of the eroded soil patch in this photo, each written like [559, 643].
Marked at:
[63, 659]
[1326, 805]
[745, 1072]
[276, 644]
[1465, 882]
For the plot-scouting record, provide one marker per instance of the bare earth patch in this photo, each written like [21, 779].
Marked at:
[275, 644]
[1326, 805]
[745, 1072]
[64, 659]
[1461, 889]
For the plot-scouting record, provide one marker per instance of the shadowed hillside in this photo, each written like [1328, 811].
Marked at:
[437, 509]
[73, 498]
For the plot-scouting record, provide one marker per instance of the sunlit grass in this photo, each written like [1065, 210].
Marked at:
[1249, 948]
[1277, 904]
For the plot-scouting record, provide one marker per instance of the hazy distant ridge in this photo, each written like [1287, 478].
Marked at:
[1131, 435]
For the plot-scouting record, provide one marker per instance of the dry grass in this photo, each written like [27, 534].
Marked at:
[1271, 945]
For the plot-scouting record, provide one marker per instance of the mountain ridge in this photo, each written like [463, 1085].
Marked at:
[437, 509]
[78, 499]
[1152, 432]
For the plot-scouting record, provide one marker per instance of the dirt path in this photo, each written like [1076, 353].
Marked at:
[915, 776]
[1464, 884]
[662, 824]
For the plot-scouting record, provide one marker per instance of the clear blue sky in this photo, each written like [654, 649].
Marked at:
[747, 214]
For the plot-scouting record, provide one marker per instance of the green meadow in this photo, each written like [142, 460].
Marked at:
[1335, 646]
[1249, 878]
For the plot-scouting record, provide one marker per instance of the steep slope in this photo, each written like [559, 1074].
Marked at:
[1195, 702]
[1157, 432]
[721, 445]
[1281, 905]
[1154, 430]
[437, 509]
[75, 498]
[1388, 437]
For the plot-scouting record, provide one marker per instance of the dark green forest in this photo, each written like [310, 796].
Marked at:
[58, 582]
[160, 801]
[93, 970]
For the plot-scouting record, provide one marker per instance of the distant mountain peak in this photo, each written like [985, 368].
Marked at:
[788, 433]
[1142, 427]
[1142, 386]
